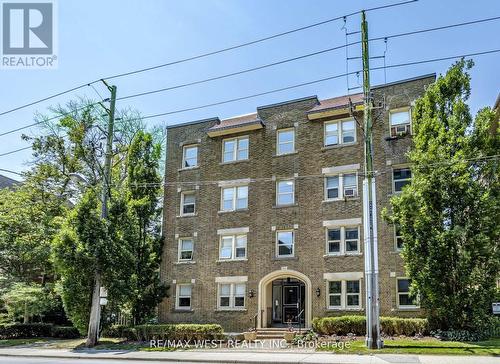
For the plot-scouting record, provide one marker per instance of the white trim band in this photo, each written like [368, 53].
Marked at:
[340, 169]
[343, 276]
[234, 279]
[342, 222]
[239, 230]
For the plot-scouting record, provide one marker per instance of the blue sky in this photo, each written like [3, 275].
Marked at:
[100, 38]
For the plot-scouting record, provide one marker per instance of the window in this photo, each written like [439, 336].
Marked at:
[285, 242]
[335, 294]
[351, 240]
[348, 132]
[404, 299]
[340, 132]
[184, 296]
[235, 149]
[285, 194]
[188, 203]
[185, 249]
[331, 133]
[232, 295]
[234, 198]
[233, 247]
[350, 185]
[190, 156]
[352, 293]
[344, 294]
[398, 237]
[342, 240]
[400, 122]
[401, 177]
[341, 186]
[286, 141]
[332, 187]
[333, 241]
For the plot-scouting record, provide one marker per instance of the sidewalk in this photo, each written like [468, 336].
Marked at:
[202, 356]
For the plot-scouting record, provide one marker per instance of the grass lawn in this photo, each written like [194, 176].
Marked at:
[423, 346]
[70, 344]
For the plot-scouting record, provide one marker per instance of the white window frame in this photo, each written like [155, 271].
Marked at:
[278, 193]
[396, 236]
[343, 245]
[236, 190]
[395, 168]
[180, 250]
[236, 150]
[408, 126]
[341, 194]
[398, 294]
[278, 143]
[234, 238]
[278, 255]
[178, 296]
[343, 295]
[184, 148]
[232, 296]
[340, 137]
[183, 196]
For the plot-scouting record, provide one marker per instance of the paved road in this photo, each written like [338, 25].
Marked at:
[10, 360]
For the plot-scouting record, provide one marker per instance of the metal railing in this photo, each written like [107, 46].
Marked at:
[255, 321]
[299, 318]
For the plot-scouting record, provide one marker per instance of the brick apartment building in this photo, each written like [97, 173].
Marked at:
[263, 212]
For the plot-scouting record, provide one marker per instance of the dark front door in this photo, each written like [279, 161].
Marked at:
[291, 303]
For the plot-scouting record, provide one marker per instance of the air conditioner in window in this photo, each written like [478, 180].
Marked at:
[350, 192]
[400, 130]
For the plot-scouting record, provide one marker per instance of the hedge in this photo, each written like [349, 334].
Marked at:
[391, 326]
[26, 331]
[174, 332]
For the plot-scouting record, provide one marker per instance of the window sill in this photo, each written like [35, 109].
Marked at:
[231, 310]
[284, 154]
[285, 206]
[183, 310]
[345, 309]
[230, 211]
[342, 255]
[234, 162]
[187, 169]
[231, 260]
[335, 146]
[284, 258]
[396, 137]
[408, 308]
[187, 215]
[185, 262]
[396, 252]
[345, 199]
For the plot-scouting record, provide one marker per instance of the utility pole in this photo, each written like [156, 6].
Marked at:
[373, 340]
[95, 311]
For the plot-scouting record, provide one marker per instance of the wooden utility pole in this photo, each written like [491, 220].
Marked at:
[95, 311]
[373, 340]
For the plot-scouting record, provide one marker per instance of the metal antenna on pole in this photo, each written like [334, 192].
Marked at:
[95, 311]
[373, 340]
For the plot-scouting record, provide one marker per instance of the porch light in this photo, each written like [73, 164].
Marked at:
[251, 293]
[318, 292]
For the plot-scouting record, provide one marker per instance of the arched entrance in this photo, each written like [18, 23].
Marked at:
[282, 296]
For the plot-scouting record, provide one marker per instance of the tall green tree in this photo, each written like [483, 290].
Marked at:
[143, 196]
[449, 214]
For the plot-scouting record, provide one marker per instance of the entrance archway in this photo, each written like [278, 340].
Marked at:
[289, 277]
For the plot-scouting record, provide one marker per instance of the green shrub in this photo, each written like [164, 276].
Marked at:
[116, 331]
[25, 331]
[175, 332]
[343, 325]
[65, 332]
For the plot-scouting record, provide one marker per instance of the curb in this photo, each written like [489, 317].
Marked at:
[165, 359]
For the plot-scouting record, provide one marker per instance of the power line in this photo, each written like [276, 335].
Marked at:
[9, 171]
[313, 82]
[286, 60]
[275, 90]
[203, 55]
[15, 151]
